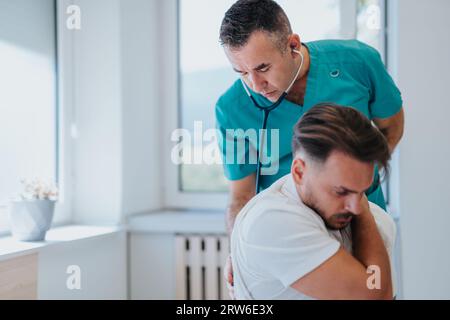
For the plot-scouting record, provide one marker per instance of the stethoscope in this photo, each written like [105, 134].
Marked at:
[266, 110]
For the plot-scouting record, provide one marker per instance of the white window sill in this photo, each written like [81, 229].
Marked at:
[11, 248]
[212, 222]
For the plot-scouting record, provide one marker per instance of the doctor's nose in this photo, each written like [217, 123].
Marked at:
[258, 84]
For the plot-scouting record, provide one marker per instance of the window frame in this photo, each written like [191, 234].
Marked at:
[173, 197]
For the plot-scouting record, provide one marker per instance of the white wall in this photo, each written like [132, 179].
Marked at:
[103, 268]
[152, 266]
[116, 152]
[141, 106]
[422, 66]
[98, 114]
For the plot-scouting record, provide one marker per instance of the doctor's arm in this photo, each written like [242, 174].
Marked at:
[241, 191]
[392, 128]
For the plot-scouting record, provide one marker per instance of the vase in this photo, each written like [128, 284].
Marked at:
[31, 219]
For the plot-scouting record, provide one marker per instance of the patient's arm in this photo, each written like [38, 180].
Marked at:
[344, 276]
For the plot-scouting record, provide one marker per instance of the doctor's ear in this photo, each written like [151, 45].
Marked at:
[294, 42]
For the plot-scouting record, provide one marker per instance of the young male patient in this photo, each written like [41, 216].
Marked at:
[313, 234]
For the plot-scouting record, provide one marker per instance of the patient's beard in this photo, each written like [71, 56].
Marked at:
[310, 200]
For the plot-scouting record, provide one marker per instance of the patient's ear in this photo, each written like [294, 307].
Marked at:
[298, 170]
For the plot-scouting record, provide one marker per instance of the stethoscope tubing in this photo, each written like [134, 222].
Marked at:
[266, 111]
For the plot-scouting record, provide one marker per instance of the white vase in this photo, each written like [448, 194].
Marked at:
[31, 219]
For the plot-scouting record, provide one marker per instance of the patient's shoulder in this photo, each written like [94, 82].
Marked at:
[386, 224]
[279, 217]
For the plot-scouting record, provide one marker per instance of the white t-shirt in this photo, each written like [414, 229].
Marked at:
[277, 239]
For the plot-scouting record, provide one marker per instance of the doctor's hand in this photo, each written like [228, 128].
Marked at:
[228, 274]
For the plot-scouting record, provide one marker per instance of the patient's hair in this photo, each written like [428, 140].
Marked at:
[247, 16]
[329, 127]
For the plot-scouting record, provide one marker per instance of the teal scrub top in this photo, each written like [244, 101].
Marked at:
[344, 72]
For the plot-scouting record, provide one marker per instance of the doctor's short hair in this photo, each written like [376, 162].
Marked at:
[247, 16]
[329, 127]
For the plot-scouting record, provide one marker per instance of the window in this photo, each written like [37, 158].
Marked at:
[28, 99]
[205, 73]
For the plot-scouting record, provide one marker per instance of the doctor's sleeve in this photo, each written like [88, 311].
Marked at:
[385, 98]
[235, 148]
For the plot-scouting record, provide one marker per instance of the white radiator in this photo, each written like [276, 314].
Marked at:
[199, 267]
